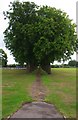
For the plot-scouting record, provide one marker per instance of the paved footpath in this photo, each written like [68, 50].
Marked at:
[37, 110]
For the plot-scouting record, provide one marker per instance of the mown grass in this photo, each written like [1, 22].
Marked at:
[62, 90]
[15, 85]
[0, 94]
[61, 86]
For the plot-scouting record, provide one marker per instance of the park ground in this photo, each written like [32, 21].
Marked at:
[60, 90]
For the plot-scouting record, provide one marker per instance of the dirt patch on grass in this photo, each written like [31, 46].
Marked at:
[63, 91]
[38, 91]
[68, 99]
[62, 85]
[59, 84]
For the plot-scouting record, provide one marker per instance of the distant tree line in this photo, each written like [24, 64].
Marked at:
[3, 62]
[16, 66]
[71, 63]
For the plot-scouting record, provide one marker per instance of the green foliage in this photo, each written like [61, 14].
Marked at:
[19, 34]
[57, 35]
[36, 33]
[3, 58]
[73, 63]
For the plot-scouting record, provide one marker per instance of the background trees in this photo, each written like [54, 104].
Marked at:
[3, 58]
[73, 63]
[39, 35]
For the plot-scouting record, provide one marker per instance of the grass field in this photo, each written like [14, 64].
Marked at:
[15, 90]
[62, 90]
[61, 86]
[0, 94]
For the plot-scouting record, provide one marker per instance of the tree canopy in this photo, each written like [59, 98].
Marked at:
[39, 35]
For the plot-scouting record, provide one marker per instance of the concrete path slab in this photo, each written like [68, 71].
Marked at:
[37, 110]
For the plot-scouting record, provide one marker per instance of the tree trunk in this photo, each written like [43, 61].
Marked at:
[31, 67]
[46, 67]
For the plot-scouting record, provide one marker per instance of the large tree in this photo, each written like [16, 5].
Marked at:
[39, 35]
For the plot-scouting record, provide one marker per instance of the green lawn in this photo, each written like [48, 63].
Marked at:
[15, 90]
[0, 94]
[61, 87]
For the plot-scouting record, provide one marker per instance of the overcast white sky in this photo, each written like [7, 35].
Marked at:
[69, 6]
